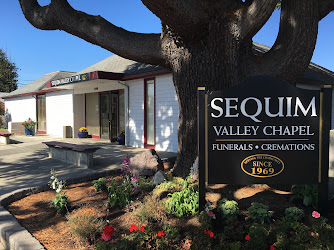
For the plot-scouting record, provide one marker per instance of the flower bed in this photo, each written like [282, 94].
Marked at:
[123, 212]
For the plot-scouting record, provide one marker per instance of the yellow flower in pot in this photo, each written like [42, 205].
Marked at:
[83, 132]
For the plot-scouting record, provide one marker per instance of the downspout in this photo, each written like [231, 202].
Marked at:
[127, 137]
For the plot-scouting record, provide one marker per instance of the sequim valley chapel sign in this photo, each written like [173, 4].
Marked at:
[264, 130]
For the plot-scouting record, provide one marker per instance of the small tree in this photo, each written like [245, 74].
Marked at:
[8, 74]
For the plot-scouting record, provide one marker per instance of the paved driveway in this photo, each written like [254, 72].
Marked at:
[25, 163]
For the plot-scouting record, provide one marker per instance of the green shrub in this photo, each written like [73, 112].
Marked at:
[307, 193]
[259, 212]
[85, 223]
[176, 183]
[184, 202]
[258, 236]
[228, 209]
[145, 185]
[60, 202]
[119, 195]
[205, 220]
[294, 214]
[100, 184]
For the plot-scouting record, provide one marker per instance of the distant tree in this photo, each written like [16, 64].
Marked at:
[8, 74]
[2, 108]
[202, 42]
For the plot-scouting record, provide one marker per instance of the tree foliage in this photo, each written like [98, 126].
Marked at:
[203, 43]
[8, 74]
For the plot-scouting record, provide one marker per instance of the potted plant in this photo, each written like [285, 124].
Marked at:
[121, 137]
[83, 133]
[29, 127]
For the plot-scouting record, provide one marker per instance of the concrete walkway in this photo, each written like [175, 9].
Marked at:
[25, 164]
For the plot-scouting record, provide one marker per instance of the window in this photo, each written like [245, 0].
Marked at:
[41, 113]
[149, 111]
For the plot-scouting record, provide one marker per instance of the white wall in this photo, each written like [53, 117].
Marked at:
[79, 112]
[59, 112]
[166, 114]
[21, 108]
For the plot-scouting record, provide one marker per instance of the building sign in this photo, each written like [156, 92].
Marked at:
[262, 131]
[71, 79]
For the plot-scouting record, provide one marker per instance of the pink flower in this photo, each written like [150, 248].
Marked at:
[210, 213]
[272, 247]
[107, 232]
[133, 228]
[142, 228]
[247, 237]
[315, 214]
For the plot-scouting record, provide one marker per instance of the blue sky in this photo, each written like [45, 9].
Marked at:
[38, 52]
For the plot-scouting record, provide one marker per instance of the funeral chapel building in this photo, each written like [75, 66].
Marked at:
[113, 95]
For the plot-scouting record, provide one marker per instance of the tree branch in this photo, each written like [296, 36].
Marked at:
[325, 6]
[256, 15]
[292, 52]
[189, 19]
[94, 29]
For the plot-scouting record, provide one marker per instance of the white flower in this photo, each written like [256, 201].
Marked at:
[59, 188]
[54, 184]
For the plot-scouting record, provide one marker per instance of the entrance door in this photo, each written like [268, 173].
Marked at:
[109, 115]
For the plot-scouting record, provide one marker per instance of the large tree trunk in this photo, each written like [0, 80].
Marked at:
[203, 63]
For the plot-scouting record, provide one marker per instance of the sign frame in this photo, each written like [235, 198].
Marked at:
[324, 135]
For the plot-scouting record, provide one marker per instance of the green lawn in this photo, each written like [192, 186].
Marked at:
[4, 129]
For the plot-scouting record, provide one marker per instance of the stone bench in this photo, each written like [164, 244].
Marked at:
[4, 137]
[80, 155]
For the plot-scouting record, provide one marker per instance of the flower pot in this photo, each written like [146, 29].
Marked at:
[29, 132]
[121, 140]
[83, 134]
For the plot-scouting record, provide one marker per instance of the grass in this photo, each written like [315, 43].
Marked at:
[4, 129]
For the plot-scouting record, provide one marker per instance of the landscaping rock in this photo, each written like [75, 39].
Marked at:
[146, 163]
[158, 178]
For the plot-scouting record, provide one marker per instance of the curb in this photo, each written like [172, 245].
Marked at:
[15, 237]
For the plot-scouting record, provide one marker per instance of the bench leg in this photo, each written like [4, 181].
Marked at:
[82, 159]
[5, 140]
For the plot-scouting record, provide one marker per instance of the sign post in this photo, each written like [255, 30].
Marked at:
[325, 126]
[201, 134]
[264, 131]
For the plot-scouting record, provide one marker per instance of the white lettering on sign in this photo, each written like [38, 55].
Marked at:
[231, 107]
[66, 80]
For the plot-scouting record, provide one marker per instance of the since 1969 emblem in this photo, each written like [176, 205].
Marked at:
[262, 165]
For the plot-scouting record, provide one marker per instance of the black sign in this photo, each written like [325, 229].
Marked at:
[263, 131]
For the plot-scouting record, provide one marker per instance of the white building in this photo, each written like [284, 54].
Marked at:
[113, 95]
[107, 97]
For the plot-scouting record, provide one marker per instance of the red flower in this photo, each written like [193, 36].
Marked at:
[205, 232]
[161, 233]
[247, 237]
[133, 228]
[142, 228]
[211, 234]
[107, 232]
[272, 247]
